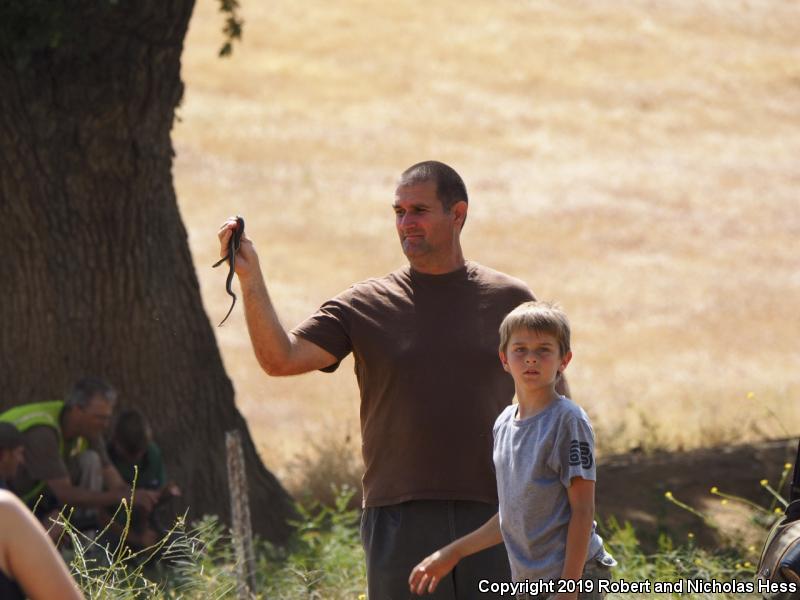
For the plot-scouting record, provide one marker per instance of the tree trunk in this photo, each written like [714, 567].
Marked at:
[96, 272]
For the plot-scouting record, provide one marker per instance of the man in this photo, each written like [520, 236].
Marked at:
[425, 343]
[11, 453]
[65, 458]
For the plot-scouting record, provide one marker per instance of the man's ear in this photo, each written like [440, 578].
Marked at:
[459, 210]
[504, 361]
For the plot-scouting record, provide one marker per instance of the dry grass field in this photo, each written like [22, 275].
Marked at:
[639, 162]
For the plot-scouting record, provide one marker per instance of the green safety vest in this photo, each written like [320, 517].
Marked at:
[47, 414]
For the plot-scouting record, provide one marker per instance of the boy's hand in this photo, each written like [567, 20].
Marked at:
[427, 574]
[170, 490]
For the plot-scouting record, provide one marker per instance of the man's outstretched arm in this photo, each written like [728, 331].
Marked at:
[68, 493]
[277, 351]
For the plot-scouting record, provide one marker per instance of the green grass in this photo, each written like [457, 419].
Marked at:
[324, 561]
[672, 563]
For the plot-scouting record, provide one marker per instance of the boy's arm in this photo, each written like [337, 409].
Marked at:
[581, 502]
[427, 574]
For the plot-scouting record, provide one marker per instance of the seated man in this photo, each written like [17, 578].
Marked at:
[11, 452]
[65, 458]
[138, 460]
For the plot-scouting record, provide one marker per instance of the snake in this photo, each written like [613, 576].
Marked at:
[233, 247]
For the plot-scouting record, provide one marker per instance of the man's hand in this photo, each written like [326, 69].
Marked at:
[277, 352]
[246, 258]
[427, 574]
[145, 500]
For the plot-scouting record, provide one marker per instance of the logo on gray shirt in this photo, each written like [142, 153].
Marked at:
[580, 453]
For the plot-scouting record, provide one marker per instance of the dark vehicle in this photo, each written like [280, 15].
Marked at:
[778, 575]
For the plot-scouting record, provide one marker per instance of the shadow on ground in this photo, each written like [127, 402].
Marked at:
[631, 487]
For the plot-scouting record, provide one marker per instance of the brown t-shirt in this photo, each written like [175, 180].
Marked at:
[431, 383]
[43, 461]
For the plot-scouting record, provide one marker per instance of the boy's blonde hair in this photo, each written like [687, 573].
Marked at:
[542, 317]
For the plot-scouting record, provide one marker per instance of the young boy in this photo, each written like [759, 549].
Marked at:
[544, 460]
[131, 447]
[134, 454]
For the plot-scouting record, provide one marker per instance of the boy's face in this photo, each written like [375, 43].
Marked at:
[533, 359]
[133, 457]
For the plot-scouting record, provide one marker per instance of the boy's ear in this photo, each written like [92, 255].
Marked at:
[504, 361]
[565, 361]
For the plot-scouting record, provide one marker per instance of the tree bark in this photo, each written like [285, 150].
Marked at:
[97, 278]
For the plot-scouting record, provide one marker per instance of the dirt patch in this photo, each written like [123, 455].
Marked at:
[631, 487]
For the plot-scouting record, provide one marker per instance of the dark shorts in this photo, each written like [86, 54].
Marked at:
[397, 537]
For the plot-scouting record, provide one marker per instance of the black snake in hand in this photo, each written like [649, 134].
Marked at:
[233, 247]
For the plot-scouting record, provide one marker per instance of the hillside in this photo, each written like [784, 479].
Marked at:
[639, 163]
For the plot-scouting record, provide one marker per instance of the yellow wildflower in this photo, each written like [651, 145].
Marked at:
[724, 501]
[714, 490]
[751, 395]
[668, 495]
[764, 482]
[690, 535]
[787, 466]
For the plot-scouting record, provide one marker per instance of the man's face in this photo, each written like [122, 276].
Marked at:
[10, 460]
[96, 416]
[422, 224]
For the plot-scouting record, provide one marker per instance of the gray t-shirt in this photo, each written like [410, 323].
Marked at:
[535, 460]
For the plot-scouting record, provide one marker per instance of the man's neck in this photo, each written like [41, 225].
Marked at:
[438, 265]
